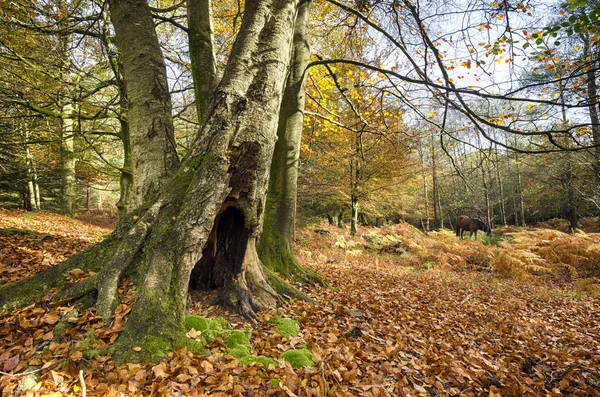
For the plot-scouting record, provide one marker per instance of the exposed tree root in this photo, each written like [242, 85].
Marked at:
[276, 255]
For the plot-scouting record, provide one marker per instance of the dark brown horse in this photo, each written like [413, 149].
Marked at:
[472, 225]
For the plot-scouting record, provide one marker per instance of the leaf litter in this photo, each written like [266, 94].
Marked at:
[438, 317]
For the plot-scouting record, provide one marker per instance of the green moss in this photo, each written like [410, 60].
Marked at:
[265, 361]
[275, 382]
[298, 357]
[209, 329]
[195, 346]
[11, 231]
[286, 327]
[284, 289]
[276, 255]
[237, 338]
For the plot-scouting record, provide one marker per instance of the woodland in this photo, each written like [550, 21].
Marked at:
[260, 198]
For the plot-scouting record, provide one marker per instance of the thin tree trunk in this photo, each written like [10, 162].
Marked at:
[202, 54]
[425, 187]
[501, 187]
[32, 188]
[88, 196]
[519, 191]
[68, 161]
[436, 215]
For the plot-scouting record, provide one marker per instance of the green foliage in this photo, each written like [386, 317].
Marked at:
[298, 357]
[286, 327]
[494, 239]
[89, 347]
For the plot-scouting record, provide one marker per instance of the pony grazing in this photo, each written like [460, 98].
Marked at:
[472, 225]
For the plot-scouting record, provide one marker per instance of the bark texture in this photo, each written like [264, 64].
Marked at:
[153, 150]
[202, 54]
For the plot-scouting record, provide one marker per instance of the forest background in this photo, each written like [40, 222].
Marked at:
[373, 149]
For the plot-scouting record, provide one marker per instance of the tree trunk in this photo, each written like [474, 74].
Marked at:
[520, 191]
[501, 187]
[275, 245]
[425, 186]
[202, 54]
[436, 215]
[32, 186]
[67, 154]
[354, 215]
[88, 196]
[153, 149]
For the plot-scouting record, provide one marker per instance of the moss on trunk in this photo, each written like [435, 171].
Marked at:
[276, 255]
[24, 292]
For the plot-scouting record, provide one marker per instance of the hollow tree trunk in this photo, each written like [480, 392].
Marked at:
[202, 54]
[209, 214]
[153, 149]
[275, 245]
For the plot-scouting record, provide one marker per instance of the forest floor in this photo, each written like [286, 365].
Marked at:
[406, 314]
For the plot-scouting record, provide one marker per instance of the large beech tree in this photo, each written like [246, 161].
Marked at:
[205, 222]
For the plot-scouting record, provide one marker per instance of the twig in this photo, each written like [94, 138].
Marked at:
[466, 299]
[82, 382]
[22, 373]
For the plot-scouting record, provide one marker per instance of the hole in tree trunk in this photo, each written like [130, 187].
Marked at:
[223, 255]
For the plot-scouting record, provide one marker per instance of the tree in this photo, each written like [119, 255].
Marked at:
[209, 213]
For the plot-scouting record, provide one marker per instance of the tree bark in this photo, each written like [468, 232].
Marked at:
[153, 149]
[202, 54]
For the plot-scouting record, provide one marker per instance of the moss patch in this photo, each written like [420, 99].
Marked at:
[238, 342]
[208, 328]
[239, 346]
[286, 327]
[298, 357]
[11, 231]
